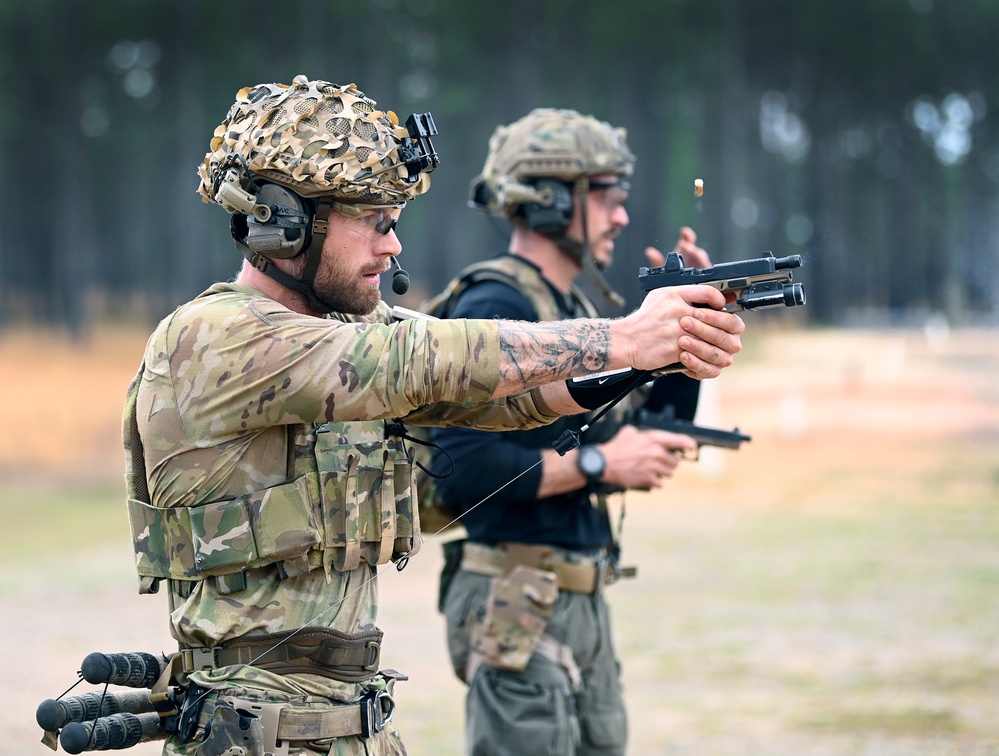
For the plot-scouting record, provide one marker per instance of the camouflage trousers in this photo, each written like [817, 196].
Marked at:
[536, 711]
[300, 690]
[386, 743]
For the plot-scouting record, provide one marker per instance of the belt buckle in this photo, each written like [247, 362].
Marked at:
[606, 571]
[377, 708]
[198, 658]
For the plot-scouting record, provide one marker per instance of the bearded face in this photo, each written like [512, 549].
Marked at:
[356, 251]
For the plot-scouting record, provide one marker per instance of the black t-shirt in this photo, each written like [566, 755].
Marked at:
[504, 465]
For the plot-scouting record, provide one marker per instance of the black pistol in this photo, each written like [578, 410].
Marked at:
[757, 283]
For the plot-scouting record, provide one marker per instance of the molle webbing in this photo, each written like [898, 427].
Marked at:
[318, 651]
[351, 500]
[286, 722]
[226, 537]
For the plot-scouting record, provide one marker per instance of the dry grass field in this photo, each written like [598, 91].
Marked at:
[832, 588]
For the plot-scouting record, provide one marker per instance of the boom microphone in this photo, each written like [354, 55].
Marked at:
[400, 279]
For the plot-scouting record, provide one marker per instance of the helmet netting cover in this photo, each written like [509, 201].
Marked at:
[316, 138]
[551, 143]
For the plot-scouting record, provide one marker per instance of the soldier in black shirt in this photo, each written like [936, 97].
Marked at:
[528, 626]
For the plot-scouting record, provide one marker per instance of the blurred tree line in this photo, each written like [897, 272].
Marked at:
[861, 134]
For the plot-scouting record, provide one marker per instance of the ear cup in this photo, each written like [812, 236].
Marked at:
[480, 195]
[280, 224]
[237, 228]
[551, 215]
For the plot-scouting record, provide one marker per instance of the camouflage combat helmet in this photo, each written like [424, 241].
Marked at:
[286, 156]
[539, 166]
[315, 138]
[547, 143]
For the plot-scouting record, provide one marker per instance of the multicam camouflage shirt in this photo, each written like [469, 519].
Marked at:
[234, 391]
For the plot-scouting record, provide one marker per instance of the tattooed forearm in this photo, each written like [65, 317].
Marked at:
[535, 353]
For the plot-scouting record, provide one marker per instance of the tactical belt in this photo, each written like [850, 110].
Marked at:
[283, 722]
[344, 657]
[576, 573]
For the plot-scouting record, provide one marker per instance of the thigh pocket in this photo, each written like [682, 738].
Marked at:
[601, 706]
[524, 716]
[605, 727]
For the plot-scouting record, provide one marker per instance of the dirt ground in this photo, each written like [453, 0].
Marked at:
[827, 589]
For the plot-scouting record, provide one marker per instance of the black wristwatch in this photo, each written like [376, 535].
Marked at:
[591, 462]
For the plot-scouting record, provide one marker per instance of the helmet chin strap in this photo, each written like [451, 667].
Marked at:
[314, 254]
[581, 251]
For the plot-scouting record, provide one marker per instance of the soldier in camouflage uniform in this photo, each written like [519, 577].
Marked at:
[528, 627]
[268, 476]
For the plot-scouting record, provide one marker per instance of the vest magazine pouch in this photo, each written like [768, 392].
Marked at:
[367, 496]
[284, 520]
[338, 492]
[378, 533]
[407, 516]
[162, 541]
[388, 478]
[225, 537]
[394, 531]
[255, 529]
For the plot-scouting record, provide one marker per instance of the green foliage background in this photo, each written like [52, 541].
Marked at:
[861, 134]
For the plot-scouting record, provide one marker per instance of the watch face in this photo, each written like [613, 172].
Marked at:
[591, 462]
